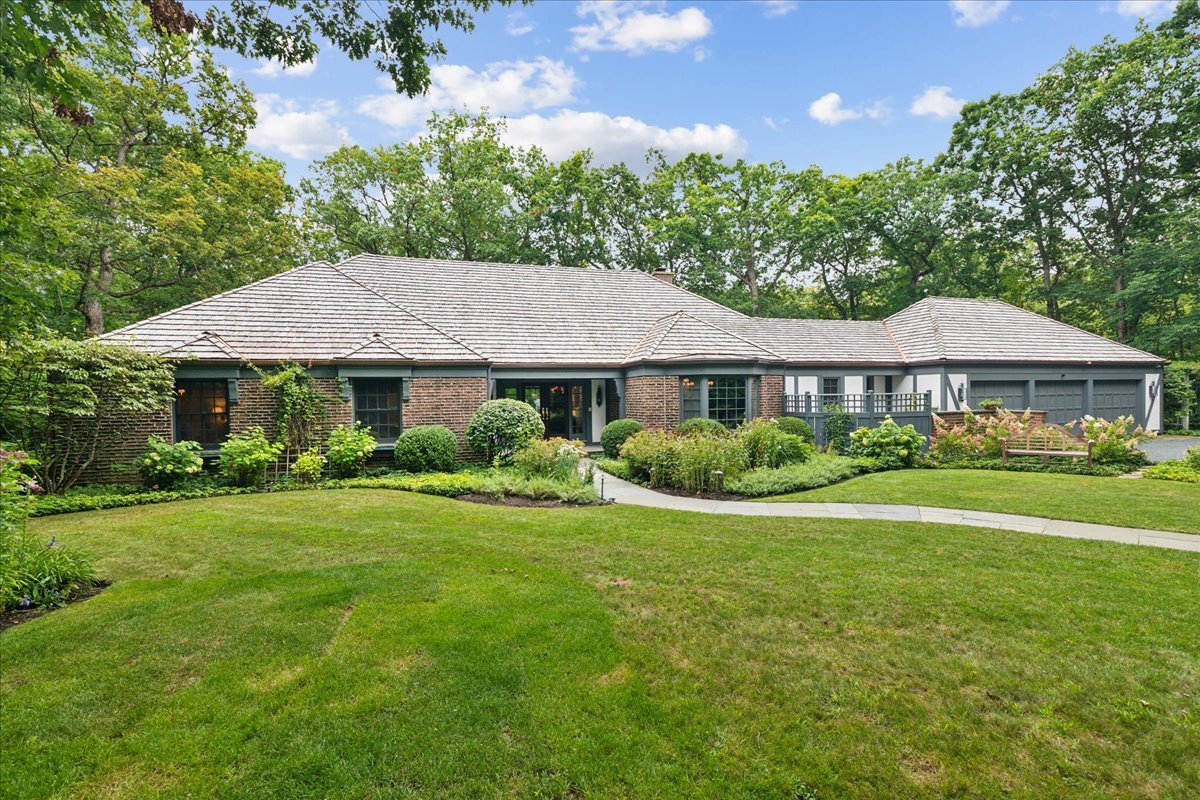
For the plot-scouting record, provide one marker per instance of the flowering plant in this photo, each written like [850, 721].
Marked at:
[348, 449]
[165, 464]
[1115, 440]
[893, 446]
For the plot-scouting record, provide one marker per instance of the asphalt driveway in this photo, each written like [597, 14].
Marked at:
[1167, 448]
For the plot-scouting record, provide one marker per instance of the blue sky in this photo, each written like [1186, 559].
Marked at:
[846, 86]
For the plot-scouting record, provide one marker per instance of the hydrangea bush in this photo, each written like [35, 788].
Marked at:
[889, 445]
[245, 457]
[164, 464]
[348, 448]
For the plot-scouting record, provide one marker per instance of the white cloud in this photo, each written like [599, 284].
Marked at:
[616, 139]
[775, 124]
[284, 127]
[702, 54]
[517, 24]
[273, 68]
[977, 13]
[828, 110]
[936, 102]
[1145, 8]
[778, 8]
[508, 87]
[635, 27]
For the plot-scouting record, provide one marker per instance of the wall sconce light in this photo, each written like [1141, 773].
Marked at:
[1153, 389]
[600, 395]
[962, 392]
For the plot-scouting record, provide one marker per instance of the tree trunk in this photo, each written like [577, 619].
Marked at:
[1122, 322]
[89, 304]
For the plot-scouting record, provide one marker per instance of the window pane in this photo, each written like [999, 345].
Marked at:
[689, 398]
[377, 405]
[727, 400]
[829, 386]
[202, 412]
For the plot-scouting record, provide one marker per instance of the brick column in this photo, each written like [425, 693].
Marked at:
[653, 400]
[770, 396]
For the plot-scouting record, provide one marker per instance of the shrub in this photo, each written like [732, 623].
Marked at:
[991, 404]
[617, 467]
[556, 458]
[819, 471]
[1193, 457]
[309, 466]
[977, 435]
[767, 445]
[1114, 441]
[245, 457]
[426, 448]
[838, 424]
[652, 456]
[348, 448]
[701, 426]
[1183, 470]
[501, 427]
[502, 482]
[700, 458]
[33, 573]
[615, 433]
[894, 447]
[796, 427]
[300, 407]
[165, 464]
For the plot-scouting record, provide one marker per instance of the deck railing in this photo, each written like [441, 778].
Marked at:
[869, 403]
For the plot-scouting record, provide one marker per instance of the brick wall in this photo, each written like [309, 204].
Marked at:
[257, 404]
[770, 396]
[445, 401]
[653, 400]
[122, 440]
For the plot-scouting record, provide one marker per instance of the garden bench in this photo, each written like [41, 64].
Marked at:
[1047, 442]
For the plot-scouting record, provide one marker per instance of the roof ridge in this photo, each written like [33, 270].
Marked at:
[750, 342]
[373, 339]
[686, 291]
[895, 342]
[673, 316]
[390, 301]
[225, 293]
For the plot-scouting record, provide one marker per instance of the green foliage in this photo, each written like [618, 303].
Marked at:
[501, 427]
[549, 458]
[443, 484]
[701, 426]
[666, 458]
[615, 433]
[796, 427]
[616, 467]
[33, 573]
[503, 482]
[821, 470]
[309, 466]
[1184, 470]
[991, 404]
[300, 407]
[54, 393]
[768, 446]
[892, 446]
[426, 448]
[838, 424]
[348, 448]
[978, 434]
[245, 457]
[164, 464]
[1059, 466]
[1181, 394]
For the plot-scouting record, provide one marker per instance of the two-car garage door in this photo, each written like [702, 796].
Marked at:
[1061, 400]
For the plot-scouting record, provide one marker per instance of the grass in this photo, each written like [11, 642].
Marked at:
[1113, 501]
[379, 644]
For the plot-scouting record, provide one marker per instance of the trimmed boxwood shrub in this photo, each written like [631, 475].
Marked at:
[426, 448]
[702, 426]
[501, 427]
[796, 427]
[615, 433]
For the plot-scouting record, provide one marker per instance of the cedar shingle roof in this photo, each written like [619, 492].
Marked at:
[962, 329]
[378, 308]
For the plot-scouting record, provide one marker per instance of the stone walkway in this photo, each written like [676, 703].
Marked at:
[634, 495]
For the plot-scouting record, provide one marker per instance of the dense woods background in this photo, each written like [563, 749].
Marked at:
[126, 189]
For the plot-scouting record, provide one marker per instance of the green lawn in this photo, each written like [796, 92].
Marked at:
[1136, 503]
[377, 644]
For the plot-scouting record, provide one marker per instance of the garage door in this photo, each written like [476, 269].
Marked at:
[1061, 400]
[1111, 399]
[1011, 392]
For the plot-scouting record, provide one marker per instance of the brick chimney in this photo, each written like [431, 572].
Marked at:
[664, 275]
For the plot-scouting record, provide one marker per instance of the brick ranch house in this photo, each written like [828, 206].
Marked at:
[398, 342]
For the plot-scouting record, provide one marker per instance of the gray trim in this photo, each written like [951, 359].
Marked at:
[699, 368]
[571, 374]
[374, 372]
[449, 372]
[212, 373]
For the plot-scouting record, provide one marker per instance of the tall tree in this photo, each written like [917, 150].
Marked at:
[157, 192]
[840, 251]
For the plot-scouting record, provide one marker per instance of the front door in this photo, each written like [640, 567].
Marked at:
[563, 406]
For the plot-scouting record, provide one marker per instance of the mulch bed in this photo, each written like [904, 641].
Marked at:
[20, 616]
[517, 500]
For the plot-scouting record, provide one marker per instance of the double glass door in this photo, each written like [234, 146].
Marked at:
[562, 405]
